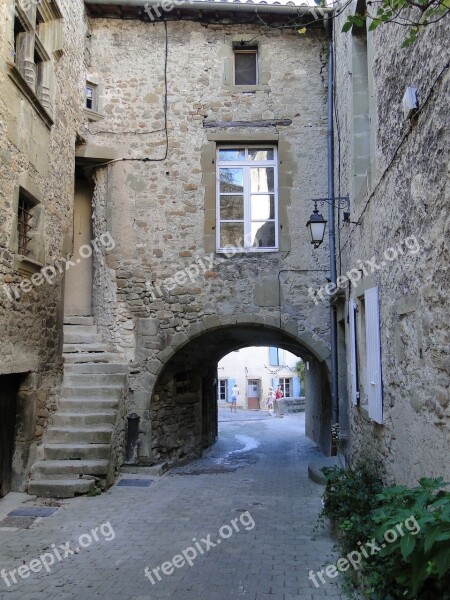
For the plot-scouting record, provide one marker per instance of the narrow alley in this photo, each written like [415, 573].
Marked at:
[252, 487]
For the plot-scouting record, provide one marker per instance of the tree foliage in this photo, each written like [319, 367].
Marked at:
[414, 15]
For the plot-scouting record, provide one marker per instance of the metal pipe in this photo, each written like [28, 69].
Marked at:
[332, 242]
[235, 7]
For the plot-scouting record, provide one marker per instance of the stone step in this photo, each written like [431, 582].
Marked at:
[89, 357]
[79, 320]
[80, 329]
[82, 419]
[95, 368]
[60, 488]
[67, 469]
[93, 379]
[79, 391]
[95, 347]
[156, 470]
[70, 435]
[82, 338]
[76, 451]
[77, 404]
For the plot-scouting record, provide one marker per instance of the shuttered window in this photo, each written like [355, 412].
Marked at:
[373, 349]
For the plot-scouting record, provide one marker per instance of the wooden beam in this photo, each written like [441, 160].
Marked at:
[266, 123]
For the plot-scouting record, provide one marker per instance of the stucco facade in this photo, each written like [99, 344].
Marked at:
[254, 370]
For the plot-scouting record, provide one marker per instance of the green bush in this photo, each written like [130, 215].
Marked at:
[348, 501]
[417, 563]
[413, 560]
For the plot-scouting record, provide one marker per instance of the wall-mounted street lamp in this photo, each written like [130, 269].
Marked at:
[317, 223]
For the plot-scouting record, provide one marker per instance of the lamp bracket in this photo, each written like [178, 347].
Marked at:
[339, 202]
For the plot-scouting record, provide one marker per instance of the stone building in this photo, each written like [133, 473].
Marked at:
[167, 206]
[394, 165]
[41, 57]
[158, 163]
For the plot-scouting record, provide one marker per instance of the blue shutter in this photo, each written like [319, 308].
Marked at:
[231, 383]
[275, 383]
[296, 391]
[273, 356]
[373, 354]
[353, 355]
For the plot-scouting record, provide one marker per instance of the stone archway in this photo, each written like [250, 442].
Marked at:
[183, 377]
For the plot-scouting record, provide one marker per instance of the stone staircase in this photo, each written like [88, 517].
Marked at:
[76, 448]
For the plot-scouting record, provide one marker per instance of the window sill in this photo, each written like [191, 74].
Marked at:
[29, 94]
[264, 87]
[92, 115]
[228, 251]
[25, 265]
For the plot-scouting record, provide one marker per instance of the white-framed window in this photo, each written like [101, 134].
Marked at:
[247, 198]
[223, 388]
[286, 386]
[246, 66]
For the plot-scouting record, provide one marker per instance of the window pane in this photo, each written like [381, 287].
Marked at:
[260, 154]
[231, 234]
[232, 207]
[262, 179]
[231, 154]
[263, 235]
[245, 68]
[232, 180]
[263, 207]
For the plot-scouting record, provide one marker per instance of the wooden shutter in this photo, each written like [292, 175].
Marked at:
[353, 355]
[373, 346]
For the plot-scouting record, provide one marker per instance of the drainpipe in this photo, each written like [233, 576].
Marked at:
[332, 236]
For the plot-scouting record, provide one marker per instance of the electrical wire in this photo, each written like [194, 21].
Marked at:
[165, 128]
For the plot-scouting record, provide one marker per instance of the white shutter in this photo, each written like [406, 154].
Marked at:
[353, 361]
[373, 345]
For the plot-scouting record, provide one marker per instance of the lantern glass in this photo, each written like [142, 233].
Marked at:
[316, 226]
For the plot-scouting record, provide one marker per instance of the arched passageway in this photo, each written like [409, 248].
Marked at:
[183, 410]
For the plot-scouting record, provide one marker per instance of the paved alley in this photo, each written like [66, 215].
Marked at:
[234, 525]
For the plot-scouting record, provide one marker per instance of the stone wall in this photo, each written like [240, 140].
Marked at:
[41, 160]
[154, 205]
[407, 196]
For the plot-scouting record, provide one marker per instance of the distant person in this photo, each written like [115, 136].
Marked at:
[279, 393]
[234, 397]
[270, 398]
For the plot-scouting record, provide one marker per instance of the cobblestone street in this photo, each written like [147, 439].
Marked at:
[259, 465]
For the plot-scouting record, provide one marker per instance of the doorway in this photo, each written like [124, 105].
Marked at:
[78, 284]
[253, 394]
[8, 404]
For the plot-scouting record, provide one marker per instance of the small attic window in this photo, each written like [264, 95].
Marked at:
[246, 66]
[91, 96]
